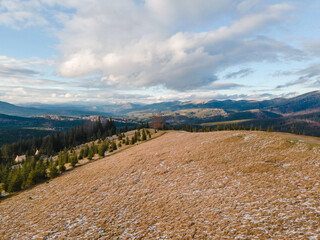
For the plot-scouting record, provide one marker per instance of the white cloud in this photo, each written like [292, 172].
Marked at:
[25, 72]
[143, 46]
[239, 74]
[307, 77]
[25, 62]
[181, 45]
[17, 14]
[313, 48]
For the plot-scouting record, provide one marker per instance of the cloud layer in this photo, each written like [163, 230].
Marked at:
[153, 49]
[176, 44]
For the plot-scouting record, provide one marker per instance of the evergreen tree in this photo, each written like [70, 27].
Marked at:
[144, 136]
[53, 171]
[120, 137]
[102, 149]
[81, 154]
[86, 151]
[270, 129]
[74, 160]
[132, 140]
[113, 145]
[14, 181]
[90, 154]
[62, 168]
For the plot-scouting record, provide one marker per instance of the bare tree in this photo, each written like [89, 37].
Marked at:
[157, 122]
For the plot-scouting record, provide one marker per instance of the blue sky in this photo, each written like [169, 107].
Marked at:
[101, 51]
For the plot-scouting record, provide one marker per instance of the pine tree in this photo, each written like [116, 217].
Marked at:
[53, 171]
[113, 145]
[144, 136]
[15, 181]
[270, 129]
[120, 137]
[86, 151]
[90, 154]
[62, 168]
[133, 140]
[102, 149]
[81, 154]
[74, 160]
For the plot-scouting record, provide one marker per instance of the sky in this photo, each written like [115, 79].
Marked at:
[103, 51]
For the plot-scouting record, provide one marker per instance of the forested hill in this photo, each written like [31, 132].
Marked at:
[14, 110]
[28, 162]
[57, 141]
[13, 128]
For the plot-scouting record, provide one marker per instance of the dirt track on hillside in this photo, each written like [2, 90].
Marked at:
[230, 185]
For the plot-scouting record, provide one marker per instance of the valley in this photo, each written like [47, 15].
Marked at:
[299, 115]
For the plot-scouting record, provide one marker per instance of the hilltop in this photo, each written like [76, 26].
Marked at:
[234, 184]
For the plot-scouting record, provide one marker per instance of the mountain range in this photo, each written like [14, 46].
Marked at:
[300, 114]
[309, 102]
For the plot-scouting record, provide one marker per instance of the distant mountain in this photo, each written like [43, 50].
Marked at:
[306, 102]
[309, 102]
[10, 109]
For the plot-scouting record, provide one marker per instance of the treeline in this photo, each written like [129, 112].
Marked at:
[14, 177]
[231, 127]
[56, 142]
[13, 128]
[31, 172]
[35, 169]
[307, 124]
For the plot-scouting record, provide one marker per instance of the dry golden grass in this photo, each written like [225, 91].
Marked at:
[221, 185]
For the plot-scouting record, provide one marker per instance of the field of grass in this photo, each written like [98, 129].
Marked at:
[217, 185]
[225, 122]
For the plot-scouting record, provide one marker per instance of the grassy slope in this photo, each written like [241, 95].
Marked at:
[225, 122]
[252, 185]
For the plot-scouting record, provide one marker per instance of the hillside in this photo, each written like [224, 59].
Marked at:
[11, 109]
[13, 128]
[306, 102]
[244, 185]
[301, 112]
